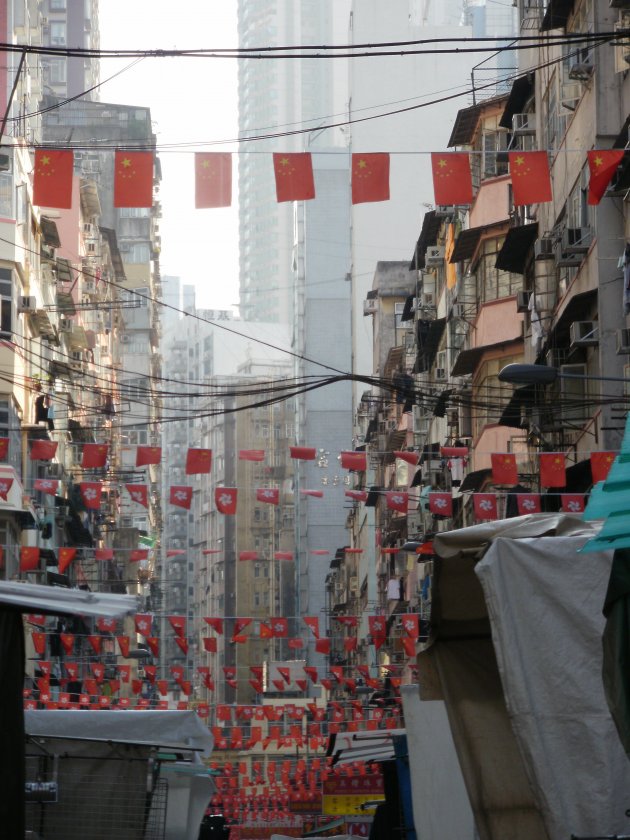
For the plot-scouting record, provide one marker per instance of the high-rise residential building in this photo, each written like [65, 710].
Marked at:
[72, 24]
[276, 96]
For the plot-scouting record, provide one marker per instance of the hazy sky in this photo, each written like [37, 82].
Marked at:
[192, 101]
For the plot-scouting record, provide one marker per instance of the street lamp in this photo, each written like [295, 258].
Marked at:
[544, 375]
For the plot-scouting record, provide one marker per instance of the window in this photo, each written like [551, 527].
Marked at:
[57, 71]
[6, 301]
[57, 5]
[57, 33]
[10, 428]
[492, 282]
[135, 212]
[489, 393]
[136, 252]
[136, 436]
[494, 164]
[398, 311]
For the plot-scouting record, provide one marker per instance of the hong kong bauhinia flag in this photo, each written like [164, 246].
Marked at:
[370, 177]
[294, 176]
[91, 492]
[213, 179]
[52, 180]
[485, 505]
[270, 495]
[528, 503]
[452, 180]
[133, 179]
[181, 496]
[441, 504]
[225, 498]
[139, 493]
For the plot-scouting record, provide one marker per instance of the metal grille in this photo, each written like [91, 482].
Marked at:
[70, 798]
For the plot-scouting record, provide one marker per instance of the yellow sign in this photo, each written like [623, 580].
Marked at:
[344, 804]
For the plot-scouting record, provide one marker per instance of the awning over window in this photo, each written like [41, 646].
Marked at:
[518, 243]
[64, 271]
[522, 398]
[467, 361]
[429, 334]
[407, 313]
[428, 236]
[578, 308]
[49, 232]
[466, 122]
[474, 481]
[522, 90]
[556, 14]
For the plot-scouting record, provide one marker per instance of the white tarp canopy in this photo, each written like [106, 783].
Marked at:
[57, 600]
[519, 665]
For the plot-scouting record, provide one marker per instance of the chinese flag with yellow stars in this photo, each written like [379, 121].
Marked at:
[213, 179]
[52, 182]
[370, 177]
[552, 469]
[452, 181]
[133, 179]
[294, 176]
[531, 181]
[504, 470]
[602, 166]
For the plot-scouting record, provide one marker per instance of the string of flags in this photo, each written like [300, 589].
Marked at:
[293, 171]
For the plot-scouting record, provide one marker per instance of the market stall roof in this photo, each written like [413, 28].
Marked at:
[48, 600]
[175, 730]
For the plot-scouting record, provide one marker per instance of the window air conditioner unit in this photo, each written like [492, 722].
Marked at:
[543, 249]
[65, 324]
[434, 256]
[26, 304]
[522, 301]
[581, 71]
[584, 334]
[623, 341]
[576, 240]
[370, 306]
[523, 124]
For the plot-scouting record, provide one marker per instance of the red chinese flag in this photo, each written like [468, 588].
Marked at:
[43, 450]
[181, 496]
[396, 500]
[353, 461]
[52, 181]
[96, 642]
[146, 455]
[5, 485]
[39, 642]
[138, 554]
[248, 555]
[370, 178]
[315, 494]
[527, 503]
[133, 179]
[143, 623]
[356, 495]
[312, 622]
[66, 556]
[441, 504]
[91, 494]
[303, 453]
[347, 620]
[178, 623]
[162, 687]
[322, 646]
[213, 179]
[485, 505]
[504, 468]
[602, 167]
[198, 461]
[268, 495]
[94, 455]
[4, 448]
[294, 176]
[123, 644]
[409, 457]
[552, 469]
[225, 498]
[452, 181]
[601, 462]
[572, 502]
[209, 644]
[154, 644]
[251, 455]
[531, 181]
[104, 554]
[295, 644]
[29, 559]
[175, 552]
[409, 646]
[46, 485]
[183, 644]
[106, 625]
[139, 493]
[283, 555]
[350, 643]
[150, 670]
[215, 623]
